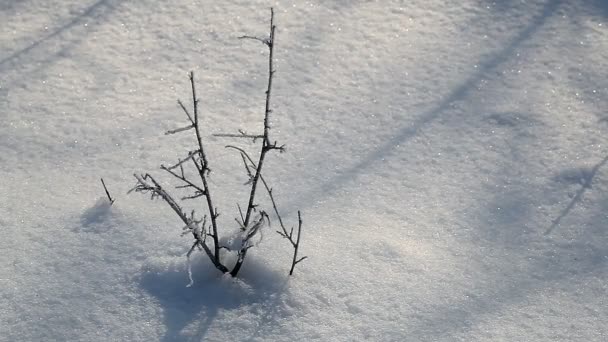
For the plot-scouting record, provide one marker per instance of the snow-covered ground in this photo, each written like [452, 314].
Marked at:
[450, 160]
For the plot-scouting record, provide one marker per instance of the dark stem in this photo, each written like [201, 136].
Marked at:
[295, 260]
[203, 170]
[107, 192]
[246, 157]
[289, 236]
[266, 146]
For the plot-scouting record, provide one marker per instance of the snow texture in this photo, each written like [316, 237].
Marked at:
[449, 158]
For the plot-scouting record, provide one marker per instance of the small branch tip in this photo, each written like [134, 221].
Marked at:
[107, 192]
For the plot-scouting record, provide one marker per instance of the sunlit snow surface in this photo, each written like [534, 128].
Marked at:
[449, 158]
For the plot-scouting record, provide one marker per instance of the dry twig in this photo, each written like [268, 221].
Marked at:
[107, 192]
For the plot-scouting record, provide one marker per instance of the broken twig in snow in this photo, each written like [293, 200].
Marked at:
[107, 192]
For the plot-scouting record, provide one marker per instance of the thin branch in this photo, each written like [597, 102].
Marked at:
[240, 213]
[295, 261]
[199, 137]
[180, 162]
[274, 146]
[240, 150]
[203, 170]
[266, 140]
[264, 41]
[247, 168]
[254, 138]
[252, 231]
[185, 186]
[177, 130]
[196, 195]
[147, 184]
[185, 111]
[241, 134]
[183, 179]
[234, 135]
[245, 155]
[107, 192]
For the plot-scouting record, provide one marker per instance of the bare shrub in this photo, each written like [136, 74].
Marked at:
[205, 230]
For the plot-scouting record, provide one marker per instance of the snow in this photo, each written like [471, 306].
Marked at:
[449, 160]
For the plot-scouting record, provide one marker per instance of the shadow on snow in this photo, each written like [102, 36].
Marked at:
[190, 312]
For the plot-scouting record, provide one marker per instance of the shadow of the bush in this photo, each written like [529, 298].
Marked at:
[89, 12]
[189, 312]
[412, 127]
[583, 176]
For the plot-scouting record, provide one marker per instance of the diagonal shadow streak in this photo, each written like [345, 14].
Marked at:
[579, 195]
[87, 13]
[432, 114]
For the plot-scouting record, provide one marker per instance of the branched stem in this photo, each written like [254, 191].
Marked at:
[283, 232]
[147, 184]
[266, 145]
[296, 246]
[203, 171]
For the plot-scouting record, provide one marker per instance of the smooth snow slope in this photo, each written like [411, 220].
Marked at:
[450, 160]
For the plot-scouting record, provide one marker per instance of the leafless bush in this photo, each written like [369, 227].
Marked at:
[205, 230]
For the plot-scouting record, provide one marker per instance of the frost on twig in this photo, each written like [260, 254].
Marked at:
[294, 240]
[241, 134]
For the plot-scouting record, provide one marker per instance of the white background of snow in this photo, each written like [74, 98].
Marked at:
[449, 159]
